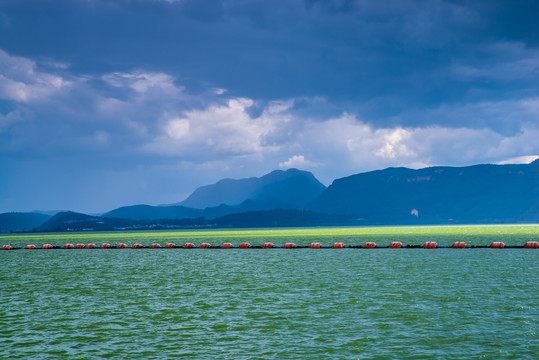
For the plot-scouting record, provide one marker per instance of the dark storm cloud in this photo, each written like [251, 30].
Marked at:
[344, 50]
[137, 94]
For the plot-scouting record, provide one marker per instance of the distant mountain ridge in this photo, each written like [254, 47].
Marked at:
[72, 221]
[21, 221]
[393, 196]
[473, 194]
[290, 189]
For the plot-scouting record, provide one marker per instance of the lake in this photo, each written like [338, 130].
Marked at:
[273, 303]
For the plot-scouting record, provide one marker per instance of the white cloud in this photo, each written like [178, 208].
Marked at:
[218, 91]
[359, 147]
[221, 130]
[394, 144]
[178, 128]
[519, 160]
[145, 82]
[20, 81]
[296, 161]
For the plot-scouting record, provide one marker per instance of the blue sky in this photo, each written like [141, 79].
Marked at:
[112, 103]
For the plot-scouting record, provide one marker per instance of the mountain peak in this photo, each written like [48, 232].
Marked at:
[280, 185]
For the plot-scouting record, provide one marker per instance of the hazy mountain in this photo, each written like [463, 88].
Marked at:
[14, 221]
[72, 221]
[292, 188]
[147, 212]
[69, 220]
[474, 194]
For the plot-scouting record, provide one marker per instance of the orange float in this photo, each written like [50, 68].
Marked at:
[188, 245]
[244, 245]
[30, 247]
[430, 245]
[136, 246]
[69, 246]
[267, 245]
[497, 245]
[338, 245]
[79, 246]
[46, 246]
[289, 245]
[205, 246]
[7, 247]
[91, 246]
[531, 245]
[121, 246]
[226, 245]
[170, 245]
[395, 245]
[104, 246]
[155, 246]
[459, 245]
[369, 245]
[315, 245]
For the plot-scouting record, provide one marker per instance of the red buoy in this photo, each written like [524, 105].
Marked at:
[316, 245]
[69, 246]
[267, 245]
[7, 247]
[395, 245]
[121, 246]
[79, 246]
[46, 246]
[104, 246]
[136, 246]
[497, 245]
[459, 245]
[430, 245]
[188, 245]
[369, 245]
[170, 245]
[30, 247]
[155, 246]
[205, 246]
[338, 245]
[226, 245]
[531, 245]
[91, 246]
[244, 245]
[289, 245]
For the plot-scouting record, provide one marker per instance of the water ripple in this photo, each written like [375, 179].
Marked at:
[145, 304]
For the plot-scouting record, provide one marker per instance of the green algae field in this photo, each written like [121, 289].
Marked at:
[272, 304]
[513, 235]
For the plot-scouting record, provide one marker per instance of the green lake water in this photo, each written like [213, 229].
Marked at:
[273, 303]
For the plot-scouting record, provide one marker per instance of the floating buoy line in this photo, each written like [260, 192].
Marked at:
[268, 245]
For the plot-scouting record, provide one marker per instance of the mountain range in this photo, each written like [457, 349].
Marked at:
[433, 195]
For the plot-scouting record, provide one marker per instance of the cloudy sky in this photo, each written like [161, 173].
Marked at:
[109, 103]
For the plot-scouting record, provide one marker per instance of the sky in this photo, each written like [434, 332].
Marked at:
[110, 103]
